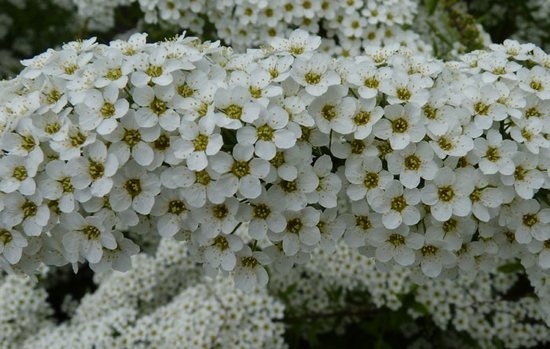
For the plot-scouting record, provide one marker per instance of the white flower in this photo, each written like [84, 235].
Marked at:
[487, 195]
[95, 169]
[12, 244]
[130, 139]
[156, 67]
[202, 186]
[87, 236]
[134, 187]
[526, 178]
[119, 258]
[220, 251]
[482, 103]
[530, 132]
[536, 81]
[249, 272]
[367, 114]
[262, 216]
[454, 232]
[216, 219]
[401, 125]
[529, 220]
[331, 226]
[398, 244]
[453, 143]
[333, 111]
[439, 117]
[314, 73]
[278, 67]
[70, 146]
[301, 232]
[413, 163]
[198, 141]
[298, 43]
[235, 106]
[542, 249]
[258, 82]
[156, 107]
[497, 65]
[173, 215]
[365, 175]
[448, 194]
[271, 131]
[329, 183]
[397, 205]
[405, 88]
[362, 224]
[17, 174]
[495, 153]
[365, 75]
[100, 110]
[24, 142]
[240, 172]
[31, 212]
[57, 185]
[112, 69]
[292, 194]
[433, 256]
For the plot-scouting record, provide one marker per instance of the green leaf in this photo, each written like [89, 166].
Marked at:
[509, 268]
[432, 4]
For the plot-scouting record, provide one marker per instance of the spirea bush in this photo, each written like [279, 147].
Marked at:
[340, 176]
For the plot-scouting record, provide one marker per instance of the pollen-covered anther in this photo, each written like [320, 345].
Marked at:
[371, 180]
[20, 173]
[412, 162]
[200, 142]
[396, 239]
[176, 207]
[158, 106]
[428, 250]
[220, 211]
[264, 133]
[5, 236]
[91, 232]
[398, 203]
[131, 137]
[363, 222]
[361, 118]
[530, 219]
[328, 112]
[288, 186]
[312, 78]
[294, 225]
[399, 125]
[233, 111]
[261, 211]
[107, 110]
[240, 168]
[133, 187]
[445, 193]
[403, 93]
[29, 209]
[154, 71]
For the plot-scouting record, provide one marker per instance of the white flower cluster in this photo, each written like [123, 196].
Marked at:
[24, 309]
[484, 306]
[351, 25]
[441, 167]
[163, 303]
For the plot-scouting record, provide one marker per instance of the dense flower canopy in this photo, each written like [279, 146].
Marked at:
[361, 162]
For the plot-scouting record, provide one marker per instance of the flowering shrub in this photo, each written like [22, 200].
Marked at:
[338, 177]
